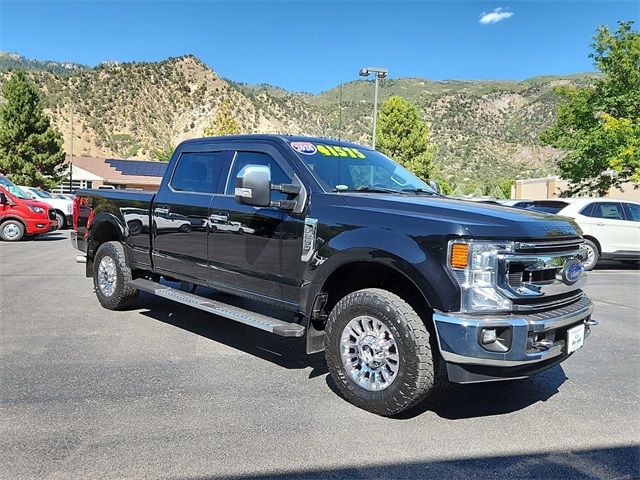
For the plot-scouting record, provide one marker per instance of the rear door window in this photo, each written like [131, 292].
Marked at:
[198, 172]
[608, 210]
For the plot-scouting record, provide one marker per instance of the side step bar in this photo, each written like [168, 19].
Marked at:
[257, 320]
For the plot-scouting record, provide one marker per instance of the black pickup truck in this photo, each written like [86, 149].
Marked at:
[400, 286]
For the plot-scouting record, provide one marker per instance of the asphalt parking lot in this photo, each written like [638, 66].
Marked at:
[164, 391]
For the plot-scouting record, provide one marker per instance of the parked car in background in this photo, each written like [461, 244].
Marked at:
[62, 207]
[67, 196]
[516, 203]
[611, 228]
[21, 217]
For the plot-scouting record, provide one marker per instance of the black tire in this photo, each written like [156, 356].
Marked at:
[62, 220]
[11, 230]
[123, 296]
[594, 254]
[415, 375]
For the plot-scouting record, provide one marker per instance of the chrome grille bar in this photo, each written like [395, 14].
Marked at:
[532, 277]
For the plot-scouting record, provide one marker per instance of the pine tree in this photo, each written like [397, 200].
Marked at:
[404, 136]
[31, 150]
[224, 122]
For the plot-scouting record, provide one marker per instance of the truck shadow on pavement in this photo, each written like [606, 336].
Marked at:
[288, 353]
[450, 401]
[595, 463]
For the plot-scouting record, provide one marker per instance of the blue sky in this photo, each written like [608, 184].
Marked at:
[312, 46]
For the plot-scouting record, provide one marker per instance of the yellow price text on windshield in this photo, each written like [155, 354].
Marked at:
[335, 151]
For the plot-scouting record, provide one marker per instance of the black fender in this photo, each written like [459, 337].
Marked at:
[96, 231]
[398, 251]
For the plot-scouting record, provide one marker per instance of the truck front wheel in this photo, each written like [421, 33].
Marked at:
[111, 277]
[378, 352]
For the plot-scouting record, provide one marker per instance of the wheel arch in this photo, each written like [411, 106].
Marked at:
[386, 272]
[104, 228]
[595, 241]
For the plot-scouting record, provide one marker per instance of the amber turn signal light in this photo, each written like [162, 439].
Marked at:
[459, 255]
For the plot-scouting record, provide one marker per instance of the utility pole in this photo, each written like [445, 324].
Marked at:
[71, 158]
[379, 73]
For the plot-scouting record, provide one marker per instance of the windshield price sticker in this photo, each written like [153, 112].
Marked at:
[335, 151]
[308, 148]
[305, 148]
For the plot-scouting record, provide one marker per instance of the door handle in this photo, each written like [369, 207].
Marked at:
[219, 217]
[601, 224]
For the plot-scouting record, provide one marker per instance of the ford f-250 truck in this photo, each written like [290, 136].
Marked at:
[399, 285]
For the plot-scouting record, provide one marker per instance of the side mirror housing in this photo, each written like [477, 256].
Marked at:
[434, 185]
[253, 186]
[3, 199]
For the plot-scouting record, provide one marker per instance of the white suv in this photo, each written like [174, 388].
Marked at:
[63, 207]
[610, 227]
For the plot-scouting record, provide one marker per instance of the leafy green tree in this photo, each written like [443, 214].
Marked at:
[599, 125]
[163, 153]
[224, 122]
[30, 147]
[404, 136]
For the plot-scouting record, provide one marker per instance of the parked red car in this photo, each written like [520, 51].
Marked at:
[20, 216]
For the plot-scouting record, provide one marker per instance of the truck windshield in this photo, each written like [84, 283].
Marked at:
[344, 168]
[12, 189]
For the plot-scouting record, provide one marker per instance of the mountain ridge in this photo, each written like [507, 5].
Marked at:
[486, 130]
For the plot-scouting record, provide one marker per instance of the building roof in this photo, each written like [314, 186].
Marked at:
[123, 172]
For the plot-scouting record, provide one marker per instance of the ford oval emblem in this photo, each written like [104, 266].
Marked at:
[572, 271]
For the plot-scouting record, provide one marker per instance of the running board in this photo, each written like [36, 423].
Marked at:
[257, 320]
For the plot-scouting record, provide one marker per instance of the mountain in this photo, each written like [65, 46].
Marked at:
[12, 61]
[486, 130]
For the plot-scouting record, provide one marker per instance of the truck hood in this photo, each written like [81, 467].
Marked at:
[478, 220]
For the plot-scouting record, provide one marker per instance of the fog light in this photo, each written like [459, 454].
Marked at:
[489, 335]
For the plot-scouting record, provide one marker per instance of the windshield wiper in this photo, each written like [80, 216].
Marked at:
[419, 191]
[369, 190]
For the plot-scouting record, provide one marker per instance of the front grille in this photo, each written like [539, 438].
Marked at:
[532, 276]
[52, 214]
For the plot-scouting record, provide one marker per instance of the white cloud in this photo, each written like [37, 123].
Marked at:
[495, 16]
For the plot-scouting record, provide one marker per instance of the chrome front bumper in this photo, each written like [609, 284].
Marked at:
[459, 337]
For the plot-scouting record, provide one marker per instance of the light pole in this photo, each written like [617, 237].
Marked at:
[71, 160]
[379, 73]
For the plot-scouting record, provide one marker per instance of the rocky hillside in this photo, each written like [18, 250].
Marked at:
[486, 130]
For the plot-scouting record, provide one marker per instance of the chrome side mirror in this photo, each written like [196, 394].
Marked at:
[253, 186]
[434, 185]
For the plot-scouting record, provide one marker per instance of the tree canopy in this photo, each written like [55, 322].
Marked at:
[599, 125]
[224, 122]
[31, 150]
[404, 136]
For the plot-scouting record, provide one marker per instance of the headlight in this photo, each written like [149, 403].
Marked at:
[475, 267]
[35, 209]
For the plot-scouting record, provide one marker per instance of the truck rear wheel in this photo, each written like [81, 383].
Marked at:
[378, 352]
[111, 277]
